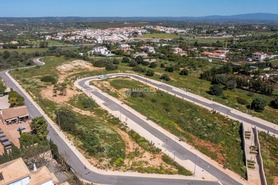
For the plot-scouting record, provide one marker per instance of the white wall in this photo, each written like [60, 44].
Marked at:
[24, 181]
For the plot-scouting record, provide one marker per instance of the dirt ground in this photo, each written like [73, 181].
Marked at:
[65, 70]
[12, 134]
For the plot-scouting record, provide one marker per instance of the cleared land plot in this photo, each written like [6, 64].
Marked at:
[211, 133]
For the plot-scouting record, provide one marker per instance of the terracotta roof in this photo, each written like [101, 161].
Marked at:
[206, 53]
[41, 176]
[258, 53]
[14, 112]
[13, 171]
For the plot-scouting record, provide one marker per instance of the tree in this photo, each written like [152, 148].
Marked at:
[184, 72]
[216, 90]
[49, 78]
[125, 60]
[139, 59]
[111, 67]
[2, 87]
[274, 103]
[153, 65]
[169, 69]
[133, 64]
[15, 99]
[39, 128]
[258, 104]
[150, 72]
[165, 77]
[230, 84]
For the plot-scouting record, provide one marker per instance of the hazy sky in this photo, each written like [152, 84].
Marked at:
[130, 8]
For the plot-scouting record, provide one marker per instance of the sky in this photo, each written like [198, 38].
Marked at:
[133, 8]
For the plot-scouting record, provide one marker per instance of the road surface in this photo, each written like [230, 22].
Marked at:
[81, 167]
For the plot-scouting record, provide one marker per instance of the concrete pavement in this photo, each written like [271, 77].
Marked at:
[82, 167]
[170, 144]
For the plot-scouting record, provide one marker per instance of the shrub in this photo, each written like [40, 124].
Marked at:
[139, 59]
[133, 63]
[111, 67]
[119, 162]
[169, 69]
[165, 77]
[150, 72]
[258, 104]
[115, 61]
[125, 60]
[274, 103]
[216, 90]
[184, 72]
[153, 65]
[242, 101]
[15, 99]
[49, 78]
[138, 69]
[230, 84]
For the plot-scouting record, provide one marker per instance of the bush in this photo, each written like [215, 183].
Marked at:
[138, 69]
[258, 104]
[216, 90]
[111, 67]
[139, 59]
[242, 101]
[150, 72]
[50, 79]
[184, 72]
[145, 63]
[230, 84]
[165, 77]
[169, 69]
[125, 60]
[274, 103]
[115, 61]
[133, 63]
[15, 99]
[153, 65]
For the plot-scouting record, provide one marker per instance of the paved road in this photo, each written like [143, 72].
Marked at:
[78, 166]
[172, 145]
[214, 106]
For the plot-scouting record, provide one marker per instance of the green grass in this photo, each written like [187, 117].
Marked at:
[194, 84]
[160, 36]
[193, 123]
[269, 150]
[181, 170]
[25, 50]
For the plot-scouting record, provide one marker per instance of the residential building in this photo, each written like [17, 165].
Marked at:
[148, 49]
[16, 173]
[179, 51]
[101, 50]
[14, 115]
[259, 56]
[124, 47]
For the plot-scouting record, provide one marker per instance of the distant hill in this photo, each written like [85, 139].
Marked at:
[242, 18]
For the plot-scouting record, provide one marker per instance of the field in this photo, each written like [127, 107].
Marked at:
[269, 149]
[194, 84]
[102, 139]
[159, 36]
[211, 133]
[32, 50]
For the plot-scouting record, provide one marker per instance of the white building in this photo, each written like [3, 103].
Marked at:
[259, 56]
[100, 50]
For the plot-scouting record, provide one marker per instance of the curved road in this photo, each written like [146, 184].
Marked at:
[172, 145]
[234, 114]
[78, 163]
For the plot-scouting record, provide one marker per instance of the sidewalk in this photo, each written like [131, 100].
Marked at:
[199, 172]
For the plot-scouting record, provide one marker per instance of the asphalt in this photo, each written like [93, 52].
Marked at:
[172, 145]
[214, 106]
[80, 170]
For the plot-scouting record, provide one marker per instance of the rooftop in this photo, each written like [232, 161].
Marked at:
[14, 112]
[13, 170]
